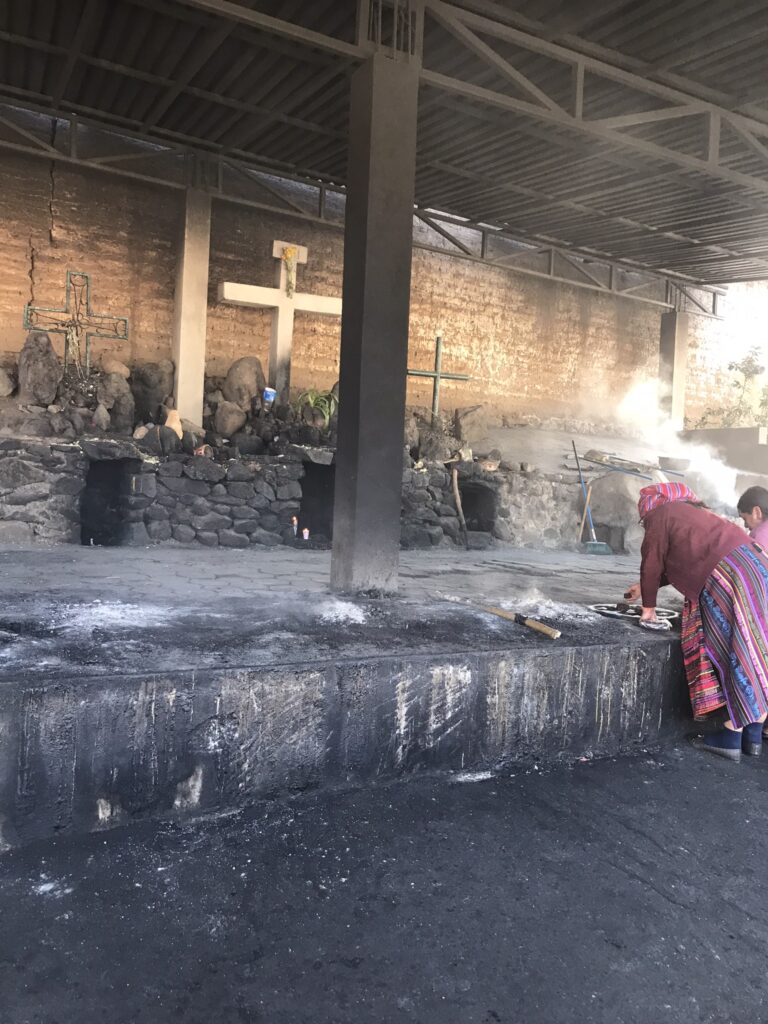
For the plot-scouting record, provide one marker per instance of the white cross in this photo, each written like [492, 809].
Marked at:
[284, 306]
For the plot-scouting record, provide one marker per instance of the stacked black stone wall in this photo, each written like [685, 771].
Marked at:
[236, 504]
[250, 502]
[429, 511]
[40, 487]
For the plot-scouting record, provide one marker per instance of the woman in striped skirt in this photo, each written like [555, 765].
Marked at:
[723, 576]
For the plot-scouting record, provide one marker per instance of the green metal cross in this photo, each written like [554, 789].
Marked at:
[437, 376]
[77, 322]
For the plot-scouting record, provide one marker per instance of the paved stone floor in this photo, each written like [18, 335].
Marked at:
[197, 575]
[617, 892]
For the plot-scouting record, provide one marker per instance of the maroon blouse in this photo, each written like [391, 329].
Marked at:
[682, 546]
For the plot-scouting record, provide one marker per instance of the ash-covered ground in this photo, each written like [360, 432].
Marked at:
[96, 611]
[611, 892]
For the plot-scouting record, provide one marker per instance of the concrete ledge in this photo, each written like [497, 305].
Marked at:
[80, 753]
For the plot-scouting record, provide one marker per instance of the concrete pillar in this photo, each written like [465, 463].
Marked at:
[374, 325]
[191, 306]
[673, 357]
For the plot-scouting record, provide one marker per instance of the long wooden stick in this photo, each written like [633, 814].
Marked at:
[459, 507]
[522, 620]
[584, 517]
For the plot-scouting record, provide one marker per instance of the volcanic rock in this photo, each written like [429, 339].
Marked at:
[243, 382]
[266, 538]
[230, 539]
[229, 418]
[115, 394]
[111, 365]
[248, 444]
[40, 370]
[201, 468]
[159, 530]
[100, 419]
[161, 441]
[152, 383]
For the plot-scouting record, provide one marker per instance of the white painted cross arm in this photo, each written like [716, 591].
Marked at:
[275, 298]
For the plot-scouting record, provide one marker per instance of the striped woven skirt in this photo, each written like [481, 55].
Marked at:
[733, 610]
[703, 683]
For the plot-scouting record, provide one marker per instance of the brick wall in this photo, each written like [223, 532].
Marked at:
[528, 344]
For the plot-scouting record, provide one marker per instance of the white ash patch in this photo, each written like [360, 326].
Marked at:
[473, 776]
[51, 887]
[342, 611]
[111, 615]
[538, 607]
[532, 604]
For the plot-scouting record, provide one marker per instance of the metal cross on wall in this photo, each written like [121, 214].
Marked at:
[77, 322]
[437, 376]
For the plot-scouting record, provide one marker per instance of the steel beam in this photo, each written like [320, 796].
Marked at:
[452, 24]
[277, 26]
[444, 233]
[603, 68]
[462, 23]
[502, 184]
[106, 163]
[564, 120]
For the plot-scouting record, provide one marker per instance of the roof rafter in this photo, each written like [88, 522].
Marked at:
[246, 16]
[89, 11]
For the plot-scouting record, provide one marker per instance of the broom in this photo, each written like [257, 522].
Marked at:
[594, 546]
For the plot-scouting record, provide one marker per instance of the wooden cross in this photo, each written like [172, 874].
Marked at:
[77, 322]
[284, 301]
[437, 376]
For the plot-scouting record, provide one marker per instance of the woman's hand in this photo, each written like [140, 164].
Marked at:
[633, 592]
[648, 615]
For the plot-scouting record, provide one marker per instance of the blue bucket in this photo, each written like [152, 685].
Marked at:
[269, 395]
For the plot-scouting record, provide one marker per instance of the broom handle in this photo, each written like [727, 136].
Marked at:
[584, 492]
[584, 517]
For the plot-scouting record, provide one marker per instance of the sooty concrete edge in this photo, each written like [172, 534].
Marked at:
[80, 752]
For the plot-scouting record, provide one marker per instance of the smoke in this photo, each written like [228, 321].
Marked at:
[714, 480]
[641, 405]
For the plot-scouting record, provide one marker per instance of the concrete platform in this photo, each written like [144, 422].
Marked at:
[627, 891]
[144, 683]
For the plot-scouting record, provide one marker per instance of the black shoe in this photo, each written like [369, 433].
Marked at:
[752, 739]
[706, 744]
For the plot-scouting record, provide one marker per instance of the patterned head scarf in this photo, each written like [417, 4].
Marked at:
[662, 494]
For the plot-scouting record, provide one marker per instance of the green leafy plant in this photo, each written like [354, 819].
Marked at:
[741, 411]
[318, 404]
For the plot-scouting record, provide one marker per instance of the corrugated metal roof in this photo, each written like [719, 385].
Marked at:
[498, 143]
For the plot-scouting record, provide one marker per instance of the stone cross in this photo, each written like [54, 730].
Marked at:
[437, 376]
[284, 301]
[77, 322]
